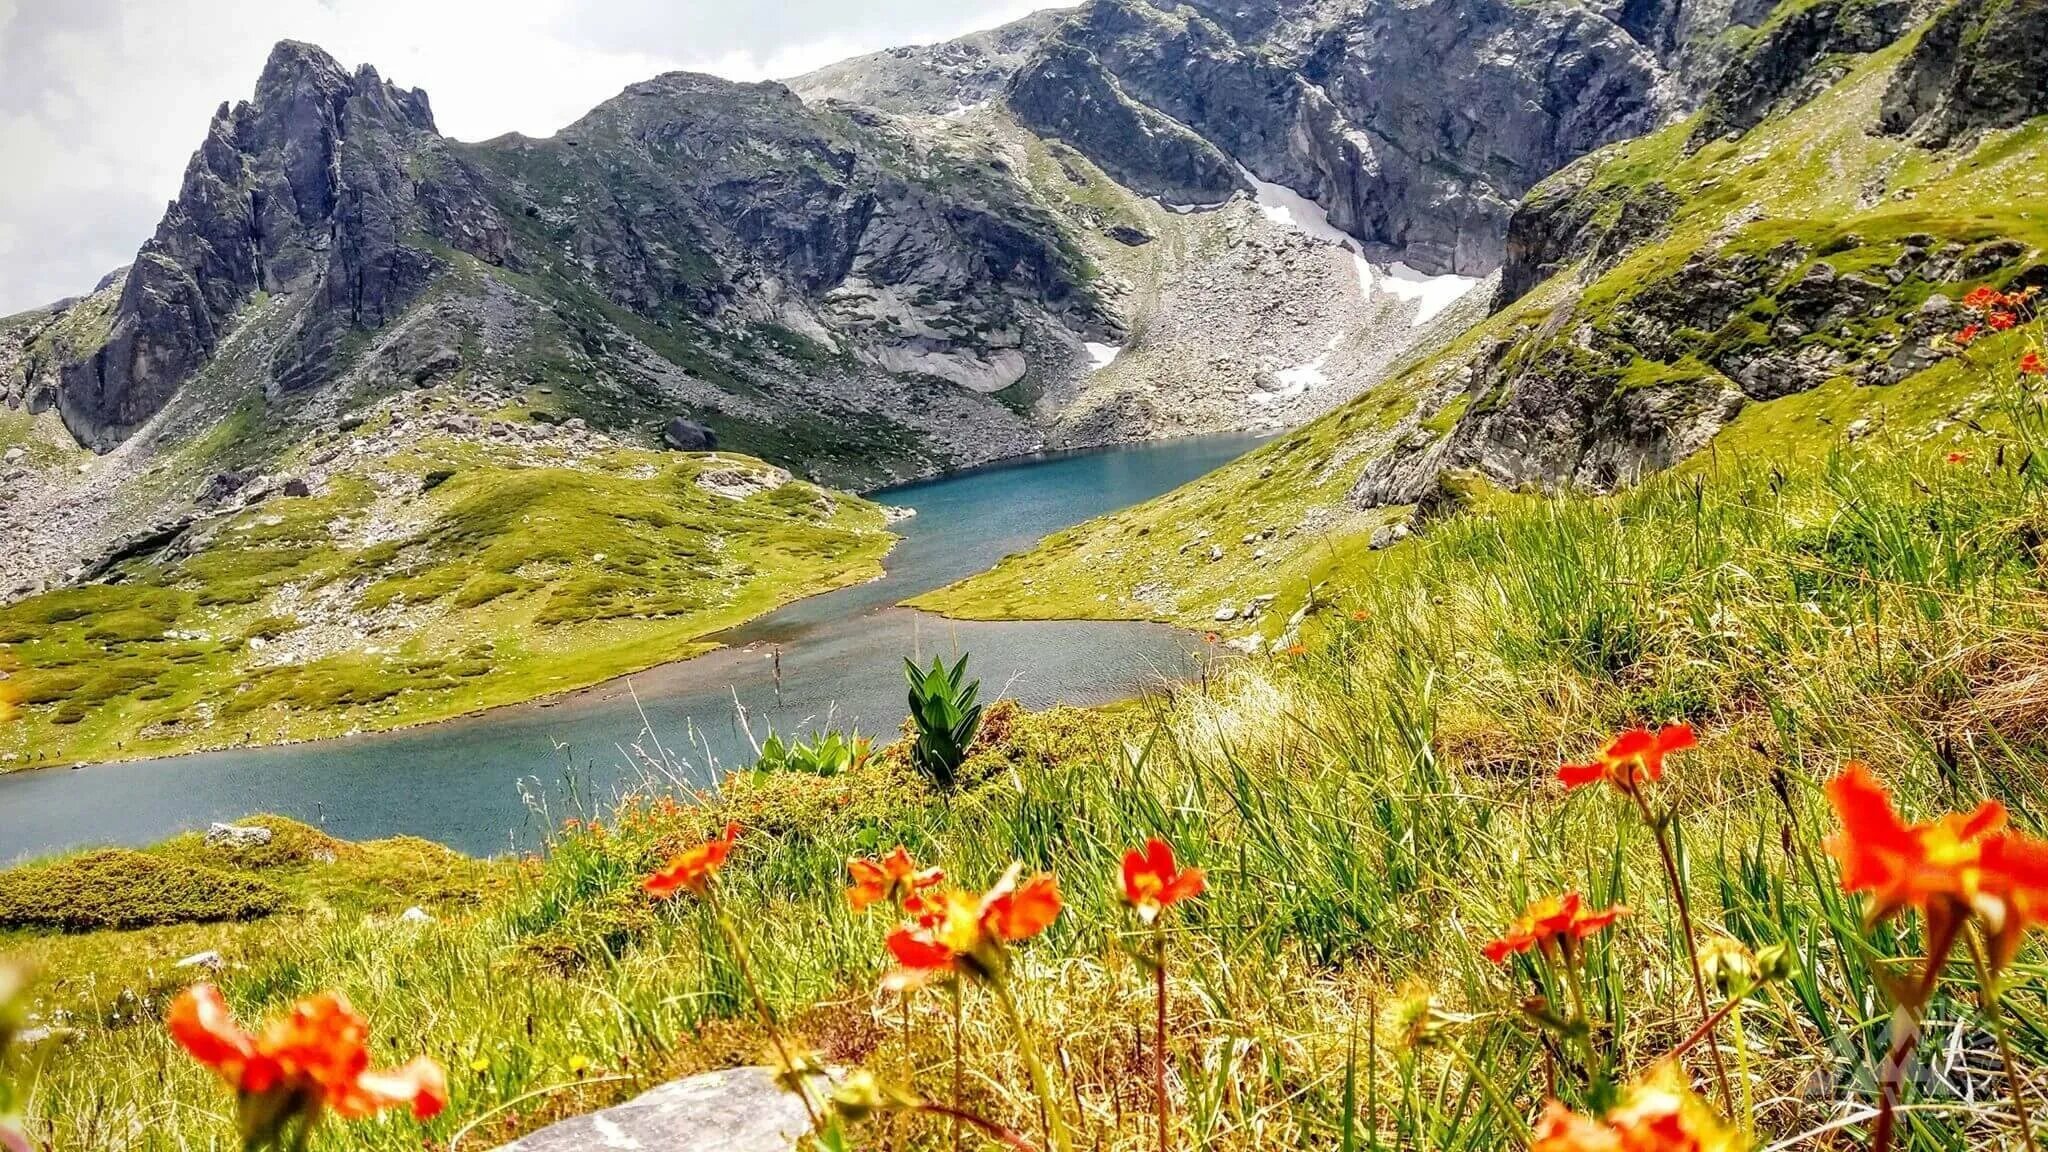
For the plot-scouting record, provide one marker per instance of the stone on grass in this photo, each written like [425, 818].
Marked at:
[1388, 535]
[209, 960]
[237, 836]
[740, 1110]
[415, 915]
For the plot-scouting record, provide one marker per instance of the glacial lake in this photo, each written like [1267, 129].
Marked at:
[484, 784]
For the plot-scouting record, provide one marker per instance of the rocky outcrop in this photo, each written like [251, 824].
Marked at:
[934, 79]
[686, 435]
[742, 1110]
[1982, 64]
[1563, 224]
[310, 189]
[1417, 126]
[1799, 57]
[1069, 95]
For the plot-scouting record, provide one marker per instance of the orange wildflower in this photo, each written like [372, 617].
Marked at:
[1946, 869]
[895, 877]
[1958, 457]
[1154, 883]
[1983, 297]
[1297, 650]
[694, 868]
[969, 934]
[2031, 365]
[1660, 1113]
[312, 1061]
[1559, 922]
[1969, 334]
[1631, 758]
[1361, 615]
[2001, 321]
[1906, 865]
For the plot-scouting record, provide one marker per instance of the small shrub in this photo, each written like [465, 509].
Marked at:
[124, 889]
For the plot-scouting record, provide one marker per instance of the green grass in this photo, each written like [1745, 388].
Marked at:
[1368, 813]
[120, 889]
[367, 607]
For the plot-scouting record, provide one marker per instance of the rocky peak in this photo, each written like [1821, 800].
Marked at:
[307, 189]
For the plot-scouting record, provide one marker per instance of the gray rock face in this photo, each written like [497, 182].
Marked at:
[1416, 125]
[933, 79]
[307, 188]
[1981, 65]
[741, 1110]
[686, 435]
[1560, 225]
[1067, 93]
[1800, 56]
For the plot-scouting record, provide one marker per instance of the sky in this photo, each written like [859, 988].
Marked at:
[103, 101]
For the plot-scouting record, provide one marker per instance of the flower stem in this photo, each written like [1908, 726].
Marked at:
[1159, 1037]
[744, 962]
[959, 1017]
[1742, 1069]
[1491, 1091]
[1692, 943]
[1041, 1081]
[997, 1132]
[1583, 1031]
[1987, 984]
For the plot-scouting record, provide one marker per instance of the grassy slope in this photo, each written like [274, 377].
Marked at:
[1368, 813]
[1804, 176]
[374, 604]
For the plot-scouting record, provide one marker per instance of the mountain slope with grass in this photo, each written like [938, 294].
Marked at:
[432, 578]
[1684, 298]
[1370, 812]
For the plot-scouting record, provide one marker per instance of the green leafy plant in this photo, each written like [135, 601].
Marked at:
[824, 754]
[944, 709]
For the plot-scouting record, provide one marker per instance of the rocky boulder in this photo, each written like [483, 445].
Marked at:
[237, 837]
[742, 1110]
[686, 435]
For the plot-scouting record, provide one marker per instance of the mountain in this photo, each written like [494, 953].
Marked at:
[1763, 281]
[1539, 243]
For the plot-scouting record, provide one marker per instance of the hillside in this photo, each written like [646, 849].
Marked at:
[903, 264]
[1703, 294]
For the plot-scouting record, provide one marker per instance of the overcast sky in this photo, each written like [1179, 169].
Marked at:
[103, 101]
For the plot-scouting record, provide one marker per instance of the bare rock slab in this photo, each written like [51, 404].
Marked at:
[740, 1110]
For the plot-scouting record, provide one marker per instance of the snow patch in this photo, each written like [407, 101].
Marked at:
[1301, 378]
[1290, 209]
[1101, 356]
[1434, 293]
[964, 111]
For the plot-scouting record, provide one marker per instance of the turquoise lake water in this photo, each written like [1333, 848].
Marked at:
[483, 784]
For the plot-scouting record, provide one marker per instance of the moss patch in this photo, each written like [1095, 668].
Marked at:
[120, 889]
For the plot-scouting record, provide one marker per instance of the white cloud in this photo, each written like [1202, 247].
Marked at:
[103, 101]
